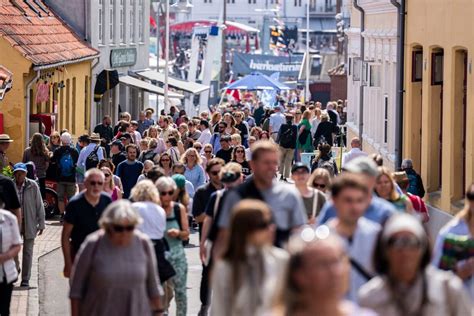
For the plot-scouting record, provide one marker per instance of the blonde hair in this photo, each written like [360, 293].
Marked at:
[307, 114]
[145, 191]
[383, 171]
[184, 158]
[320, 173]
[324, 116]
[111, 183]
[236, 138]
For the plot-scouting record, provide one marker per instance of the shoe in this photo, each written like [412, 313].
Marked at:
[204, 311]
[25, 284]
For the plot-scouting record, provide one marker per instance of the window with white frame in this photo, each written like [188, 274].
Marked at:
[132, 21]
[385, 120]
[141, 18]
[122, 21]
[374, 76]
[101, 21]
[111, 21]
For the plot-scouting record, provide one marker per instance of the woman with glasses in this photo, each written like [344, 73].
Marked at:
[238, 156]
[246, 279]
[317, 278]
[458, 234]
[320, 179]
[115, 271]
[109, 186]
[386, 189]
[177, 231]
[194, 172]
[406, 283]
[166, 163]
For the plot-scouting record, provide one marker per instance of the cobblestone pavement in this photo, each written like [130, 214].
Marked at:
[26, 301]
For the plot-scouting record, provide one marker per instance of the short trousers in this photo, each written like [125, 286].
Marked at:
[67, 188]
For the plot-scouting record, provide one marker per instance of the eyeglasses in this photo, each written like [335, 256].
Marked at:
[214, 173]
[208, 151]
[240, 151]
[404, 242]
[319, 185]
[121, 229]
[107, 175]
[263, 225]
[170, 193]
[198, 148]
[94, 183]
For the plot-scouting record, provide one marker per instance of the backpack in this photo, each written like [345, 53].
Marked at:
[413, 187]
[287, 137]
[66, 165]
[93, 159]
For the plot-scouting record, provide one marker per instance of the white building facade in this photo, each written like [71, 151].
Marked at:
[376, 73]
[120, 30]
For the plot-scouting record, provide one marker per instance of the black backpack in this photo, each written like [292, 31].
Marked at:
[93, 159]
[288, 136]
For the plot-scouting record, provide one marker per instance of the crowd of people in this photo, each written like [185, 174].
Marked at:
[279, 234]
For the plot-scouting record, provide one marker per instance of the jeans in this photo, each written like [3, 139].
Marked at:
[5, 297]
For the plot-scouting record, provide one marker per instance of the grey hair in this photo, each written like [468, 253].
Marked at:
[164, 183]
[94, 171]
[407, 164]
[118, 212]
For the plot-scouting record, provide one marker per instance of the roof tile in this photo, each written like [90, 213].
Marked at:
[43, 40]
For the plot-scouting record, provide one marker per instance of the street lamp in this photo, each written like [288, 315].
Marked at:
[307, 94]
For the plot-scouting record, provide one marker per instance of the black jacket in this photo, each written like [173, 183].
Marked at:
[325, 129]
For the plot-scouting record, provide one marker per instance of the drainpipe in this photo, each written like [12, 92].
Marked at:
[362, 57]
[27, 107]
[400, 81]
[93, 116]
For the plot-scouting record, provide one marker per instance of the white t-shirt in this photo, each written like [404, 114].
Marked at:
[154, 219]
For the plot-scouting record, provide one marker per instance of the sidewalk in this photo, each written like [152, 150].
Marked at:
[26, 301]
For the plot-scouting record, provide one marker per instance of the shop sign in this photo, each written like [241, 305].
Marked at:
[244, 64]
[123, 57]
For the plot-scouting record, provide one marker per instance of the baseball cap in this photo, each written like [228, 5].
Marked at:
[20, 167]
[125, 136]
[116, 143]
[298, 166]
[230, 176]
[362, 165]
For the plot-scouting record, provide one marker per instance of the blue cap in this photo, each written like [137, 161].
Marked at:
[20, 167]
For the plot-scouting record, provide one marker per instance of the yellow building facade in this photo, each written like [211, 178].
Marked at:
[439, 98]
[43, 53]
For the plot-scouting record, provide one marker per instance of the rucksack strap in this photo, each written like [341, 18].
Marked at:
[315, 203]
[359, 268]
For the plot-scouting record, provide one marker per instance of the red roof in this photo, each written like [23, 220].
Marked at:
[43, 40]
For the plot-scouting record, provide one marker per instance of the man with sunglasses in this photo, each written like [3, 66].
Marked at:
[351, 198]
[201, 198]
[217, 136]
[82, 215]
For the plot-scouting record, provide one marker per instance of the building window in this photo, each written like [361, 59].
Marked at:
[122, 21]
[437, 61]
[297, 3]
[329, 6]
[374, 79]
[101, 21]
[111, 21]
[132, 21]
[385, 120]
[141, 18]
[86, 103]
[417, 67]
[357, 68]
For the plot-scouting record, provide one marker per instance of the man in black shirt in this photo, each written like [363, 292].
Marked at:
[225, 153]
[242, 127]
[82, 216]
[105, 129]
[9, 197]
[287, 137]
[65, 158]
[117, 152]
[201, 198]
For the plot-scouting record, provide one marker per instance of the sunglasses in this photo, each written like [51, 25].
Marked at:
[319, 185]
[214, 173]
[404, 242]
[170, 193]
[263, 225]
[165, 160]
[121, 229]
[208, 151]
[198, 148]
[107, 175]
[240, 151]
[192, 156]
[94, 183]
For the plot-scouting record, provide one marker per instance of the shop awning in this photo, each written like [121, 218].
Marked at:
[191, 87]
[140, 84]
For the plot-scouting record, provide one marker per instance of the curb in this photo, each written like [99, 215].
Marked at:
[33, 293]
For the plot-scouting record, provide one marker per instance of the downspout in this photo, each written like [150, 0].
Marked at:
[362, 57]
[93, 116]
[400, 81]
[27, 107]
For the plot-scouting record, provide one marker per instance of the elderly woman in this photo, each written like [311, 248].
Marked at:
[194, 172]
[146, 201]
[177, 230]
[406, 283]
[115, 271]
[386, 189]
[317, 278]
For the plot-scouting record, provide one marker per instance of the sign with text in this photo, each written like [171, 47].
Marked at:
[287, 66]
[123, 57]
